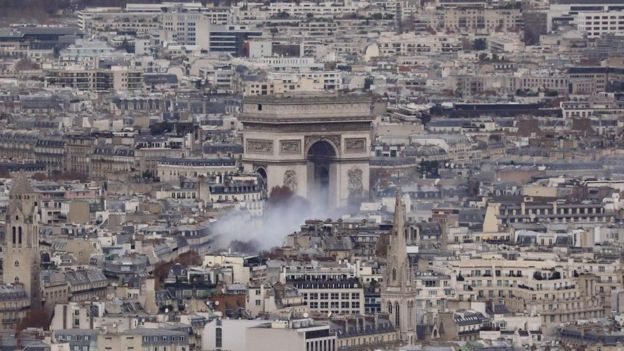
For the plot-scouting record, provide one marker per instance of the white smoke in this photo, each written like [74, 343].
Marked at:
[271, 229]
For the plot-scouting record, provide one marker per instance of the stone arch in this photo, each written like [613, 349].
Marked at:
[322, 146]
[321, 156]
[262, 172]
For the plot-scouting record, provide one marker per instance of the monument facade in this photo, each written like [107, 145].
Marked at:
[318, 146]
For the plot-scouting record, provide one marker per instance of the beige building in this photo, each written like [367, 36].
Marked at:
[278, 300]
[96, 80]
[172, 169]
[558, 292]
[157, 339]
[481, 20]
[530, 210]
[332, 296]
[316, 146]
[283, 86]
[293, 335]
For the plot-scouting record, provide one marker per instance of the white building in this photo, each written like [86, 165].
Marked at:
[293, 335]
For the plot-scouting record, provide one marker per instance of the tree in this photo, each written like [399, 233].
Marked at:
[161, 270]
[25, 64]
[39, 176]
[280, 195]
[35, 318]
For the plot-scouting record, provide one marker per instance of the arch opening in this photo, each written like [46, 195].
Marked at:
[263, 173]
[321, 154]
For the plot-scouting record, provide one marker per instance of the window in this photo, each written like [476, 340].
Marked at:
[219, 337]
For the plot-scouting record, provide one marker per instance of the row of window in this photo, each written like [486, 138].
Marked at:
[334, 304]
[332, 296]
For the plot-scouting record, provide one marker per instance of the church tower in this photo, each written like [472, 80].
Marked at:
[21, 240]
[398, 298]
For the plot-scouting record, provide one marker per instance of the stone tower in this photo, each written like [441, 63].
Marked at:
[21, 240]
[398, 297]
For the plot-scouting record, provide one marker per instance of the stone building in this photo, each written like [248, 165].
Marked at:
[21, 243]
[317, 146]
[50, 152]
[398, 295]
[78, 150]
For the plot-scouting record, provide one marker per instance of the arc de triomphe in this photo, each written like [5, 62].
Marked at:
[318, 146]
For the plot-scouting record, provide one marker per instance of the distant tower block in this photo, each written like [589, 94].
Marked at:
[317, 146]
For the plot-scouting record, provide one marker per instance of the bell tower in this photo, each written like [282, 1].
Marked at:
[398, 298]
[21, 240]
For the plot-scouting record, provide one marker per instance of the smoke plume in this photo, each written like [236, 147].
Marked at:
[239, 230]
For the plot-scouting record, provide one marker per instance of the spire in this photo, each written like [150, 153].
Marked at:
[397, 265]
[21, 185]
[397, 242]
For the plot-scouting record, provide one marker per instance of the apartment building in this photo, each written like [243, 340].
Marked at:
[433, 291]
[78, 150]
[297, 335]
[596, 24]
[480, 19]
[543, 82]
[109, 160]
[183, 28]
[282, 86]
[50, 151]
[408, 44]
[557, 291]
[344, 296]
[229, 38]
[144, 339]
[531, 210]
[14, 305]
[171, 169]
[18, 144]
[95, 80]
[317, 9]
[107, 19]
[585, 14]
